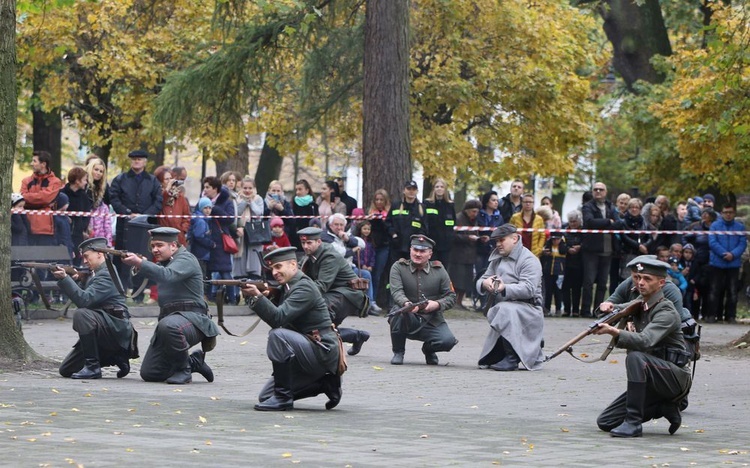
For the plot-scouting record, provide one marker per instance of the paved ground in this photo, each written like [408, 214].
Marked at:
[412, 415]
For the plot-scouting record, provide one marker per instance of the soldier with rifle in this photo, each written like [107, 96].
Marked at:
[303, 345]
[183, 318]
[657, 361]
[105, 335]
[412, 279]
[336, 280]
[514, 280]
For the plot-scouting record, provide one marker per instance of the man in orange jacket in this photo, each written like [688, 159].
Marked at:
[40, 191]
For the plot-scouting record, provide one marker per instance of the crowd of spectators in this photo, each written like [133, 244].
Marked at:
[579, 269]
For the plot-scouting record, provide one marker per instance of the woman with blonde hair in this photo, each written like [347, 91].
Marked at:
[100, 224]
[440, 213]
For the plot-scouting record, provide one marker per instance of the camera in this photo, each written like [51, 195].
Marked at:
[178, 182]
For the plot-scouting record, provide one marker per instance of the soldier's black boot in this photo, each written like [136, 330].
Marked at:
[91, 368]
[283, 398]
[362, 336]
[332, 389]
[198, 364]
[671, 412]
[183, 375]
[510, 361]
[634, 405]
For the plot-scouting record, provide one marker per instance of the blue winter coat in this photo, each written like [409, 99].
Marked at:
[199, 236]
[722, 243]
[224, 206]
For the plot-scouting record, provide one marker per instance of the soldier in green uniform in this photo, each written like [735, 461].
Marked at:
[105, 335]
[657, 360]
[334, 276]
[183, 319]
[411, 280]
[302, 345]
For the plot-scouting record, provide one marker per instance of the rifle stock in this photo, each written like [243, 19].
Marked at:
[420, 305]
[611, 318]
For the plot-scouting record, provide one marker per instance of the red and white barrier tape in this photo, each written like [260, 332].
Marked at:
[364, 217]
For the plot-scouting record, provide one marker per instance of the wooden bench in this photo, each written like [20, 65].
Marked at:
[22, 283]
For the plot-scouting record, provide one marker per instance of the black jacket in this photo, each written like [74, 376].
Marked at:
[131, 193]
[593, 219]
[404, 220]
[441, 218]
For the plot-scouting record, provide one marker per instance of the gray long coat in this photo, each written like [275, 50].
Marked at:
[517, 314]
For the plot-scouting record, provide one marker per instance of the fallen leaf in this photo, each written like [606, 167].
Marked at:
[208, 442]
[505, 452]
[684, 449]
[202, 419]
[613, 361]
[75, 410]
[214, 398]
[473, 407]
[54, 413]
[129, 450]
[377, 367]
[46, 434]
[54, 390]
[131, 410]
[87, 395]
[584, 355]
[288, 416]
[565, 429]
[243, 343]
[699, 431]
[424, 436]
[31, 440]
[155, 404]
[177, 390]
[286, 455]
[428, 404]
[118, 433]
[178, 412]
[563, 414]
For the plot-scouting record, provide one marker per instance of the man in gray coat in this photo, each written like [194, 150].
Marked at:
[514, 280]
[657, 361]
[183, 318]
[105, 335]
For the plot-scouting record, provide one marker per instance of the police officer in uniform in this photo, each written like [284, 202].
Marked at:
[333, 275]
[302, 345]
[657, 360]
[411, 279]
[183, 319]
[105, 335]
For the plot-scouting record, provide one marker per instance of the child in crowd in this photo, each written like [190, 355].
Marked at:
[199, 238]
[62, 226]
[365, 260]
[675, 273]
[553, 270]
[278, 236]
[690, 272]
[19, 224]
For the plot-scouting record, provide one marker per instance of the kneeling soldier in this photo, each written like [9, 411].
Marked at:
[657, 360]
[411, 280]
[183, 320]
[303, 346]
[102, 321]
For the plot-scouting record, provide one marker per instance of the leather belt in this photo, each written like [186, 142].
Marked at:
[117, 312]
[183, 306]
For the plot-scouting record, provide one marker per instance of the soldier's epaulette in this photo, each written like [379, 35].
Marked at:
[436, 264]
[405, 261]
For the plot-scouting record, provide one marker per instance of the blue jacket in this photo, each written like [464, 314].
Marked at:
[223, 206]
[722, 243]
[199, 236]
[486, 220]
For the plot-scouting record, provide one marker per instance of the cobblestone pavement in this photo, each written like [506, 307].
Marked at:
[412, 415]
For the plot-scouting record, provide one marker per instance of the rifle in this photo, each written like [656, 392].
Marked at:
[617, 315]
[114, 252]
[69, 269]
[274, 295]
[419, 305]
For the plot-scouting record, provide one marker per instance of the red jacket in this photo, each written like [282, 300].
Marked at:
[40, 193]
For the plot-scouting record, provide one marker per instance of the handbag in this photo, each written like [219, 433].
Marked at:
[257, 231]
[230, 246]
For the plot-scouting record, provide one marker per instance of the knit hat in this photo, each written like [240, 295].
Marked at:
[203, 202]
[698, 200]
[276, 221]
[708, 196]
[15, 198]
[688, 246]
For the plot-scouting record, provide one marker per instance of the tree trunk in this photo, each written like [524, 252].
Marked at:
[386, 144]
[47, 135]
[12, 345]
[637, 33]
[103, 151]
[238, 162]
[269, 168]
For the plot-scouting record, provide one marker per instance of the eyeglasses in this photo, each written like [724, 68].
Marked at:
[599, 189]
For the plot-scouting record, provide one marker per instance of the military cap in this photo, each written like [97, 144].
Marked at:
[649, 265]
[280, 255]
[138, 154]
[165, 234]
[422, 242]
[88, 244]
[555, 235]
[309, 233]
[503, 231]
[410, 184]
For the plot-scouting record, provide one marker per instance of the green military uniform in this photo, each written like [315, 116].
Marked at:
[656, 364]
[183, 318]
[333, 275]
[102, 322]
[410, 283]
[302, 345]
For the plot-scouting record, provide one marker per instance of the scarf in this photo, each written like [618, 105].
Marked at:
[303, 201]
